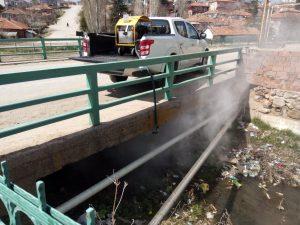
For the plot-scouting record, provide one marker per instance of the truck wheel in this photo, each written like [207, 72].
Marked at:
[116, 79]
[121, 51]
[204, 61]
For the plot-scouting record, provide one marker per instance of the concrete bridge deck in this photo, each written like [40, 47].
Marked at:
[42, 151]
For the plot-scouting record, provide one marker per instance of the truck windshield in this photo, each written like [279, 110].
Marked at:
[160, 27]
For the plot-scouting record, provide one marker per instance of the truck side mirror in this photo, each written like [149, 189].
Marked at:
[202, 35]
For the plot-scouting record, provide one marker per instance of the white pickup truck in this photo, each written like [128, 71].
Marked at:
[176, 36]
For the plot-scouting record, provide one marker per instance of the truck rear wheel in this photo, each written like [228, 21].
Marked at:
[116, 79]
[204, 61]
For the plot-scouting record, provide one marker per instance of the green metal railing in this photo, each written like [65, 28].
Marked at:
[18, 202]
[93, 88]
[39, 46]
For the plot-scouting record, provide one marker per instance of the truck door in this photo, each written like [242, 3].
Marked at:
[182, 40]
[195, 43]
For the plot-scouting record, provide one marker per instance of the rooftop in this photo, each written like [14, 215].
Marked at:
[234, 30]
[12, 25]
[199, 4]
[39, 7]
[15, 11]
[232, 13]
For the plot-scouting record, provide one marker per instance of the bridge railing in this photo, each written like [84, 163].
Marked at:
[39, 46]
[17, 202]
[93, 87]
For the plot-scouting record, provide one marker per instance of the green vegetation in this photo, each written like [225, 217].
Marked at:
[279, 138]
[82, 22]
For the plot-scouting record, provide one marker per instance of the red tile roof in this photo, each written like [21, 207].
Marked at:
[230, 13]
[286, 13]
[15, 11]
[234, 31]
[39, 7]
[12, 25]
[220, 21]
[199, 4]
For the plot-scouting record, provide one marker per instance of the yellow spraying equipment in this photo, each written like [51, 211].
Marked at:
[128, 31]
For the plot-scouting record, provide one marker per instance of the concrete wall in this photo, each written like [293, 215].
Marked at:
[278, 69]
[275, 97]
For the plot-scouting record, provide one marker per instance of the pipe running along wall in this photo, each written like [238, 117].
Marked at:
[173, 198]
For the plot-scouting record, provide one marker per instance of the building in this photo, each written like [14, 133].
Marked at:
[41, 8]
[232, 14]
[16, 14]
[285, 25]
[198, 7]
[224, 5]
[9, 28]
[18, 3]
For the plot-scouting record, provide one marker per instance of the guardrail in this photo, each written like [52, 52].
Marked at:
[18, 202]
[39, 46]
[93, 88]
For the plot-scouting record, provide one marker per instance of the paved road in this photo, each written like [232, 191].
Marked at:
[60, 29]
[36, 89]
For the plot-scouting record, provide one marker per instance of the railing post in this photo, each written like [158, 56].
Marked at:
[90, 216]
[240, 57]
[79, 47]
[211, 70]
[44, 50]
[5, 173]
[92, 83]
[41, 194]
[169, 80]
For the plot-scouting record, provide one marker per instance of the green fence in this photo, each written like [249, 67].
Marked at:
[93, 87]
[39, 46]
[18, 202]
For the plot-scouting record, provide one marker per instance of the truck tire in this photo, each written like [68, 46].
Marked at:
[116, 79]
[204, 61]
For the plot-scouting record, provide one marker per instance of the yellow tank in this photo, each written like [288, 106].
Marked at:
[128, 30]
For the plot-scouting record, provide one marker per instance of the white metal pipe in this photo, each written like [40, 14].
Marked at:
[173, 198]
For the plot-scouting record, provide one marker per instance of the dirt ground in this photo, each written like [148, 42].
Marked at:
[60, 29]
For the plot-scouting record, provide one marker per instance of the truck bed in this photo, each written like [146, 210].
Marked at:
[104, 58]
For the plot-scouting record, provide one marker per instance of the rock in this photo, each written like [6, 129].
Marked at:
[289, 105]
[264, 110]
[290, 95]
[278, 102]
[267, 104]
[257, 98]
[267, 96]
[279, 93]
[296, 104]
[273, 92]
[294, 114]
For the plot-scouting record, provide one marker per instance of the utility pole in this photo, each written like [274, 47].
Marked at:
[263, 23]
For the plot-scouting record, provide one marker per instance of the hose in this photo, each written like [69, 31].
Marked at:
[155, 113]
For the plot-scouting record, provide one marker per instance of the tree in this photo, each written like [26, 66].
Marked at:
[82, 22]
[253, 9]
[118, 10]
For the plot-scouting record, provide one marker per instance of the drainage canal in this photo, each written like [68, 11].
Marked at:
[151, 186]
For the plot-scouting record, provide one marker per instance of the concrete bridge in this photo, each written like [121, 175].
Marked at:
[38, 152]
[119, 112]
